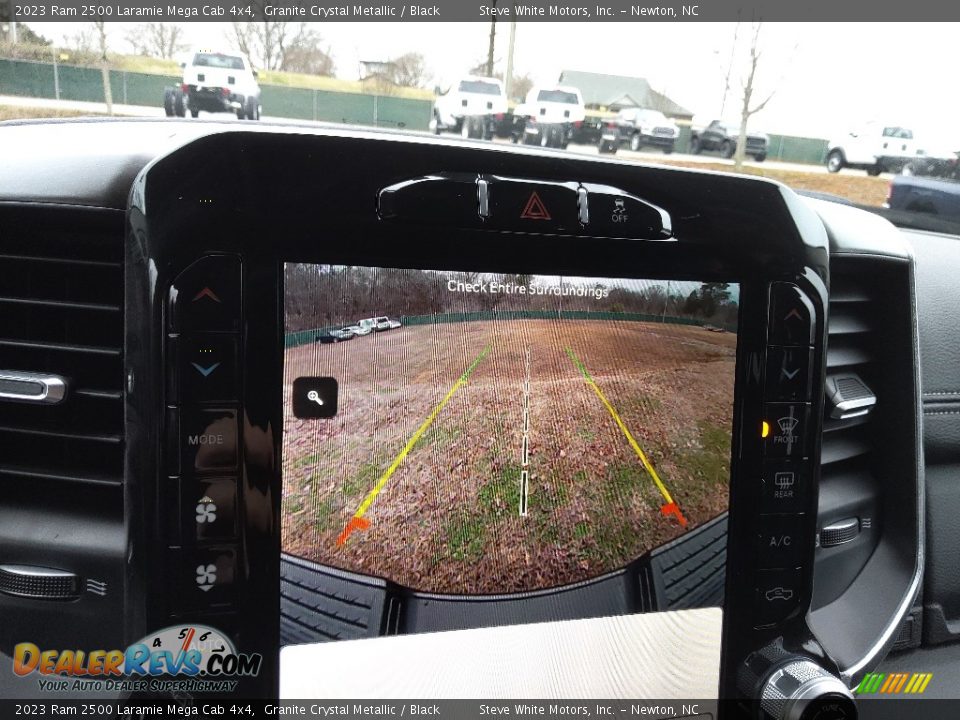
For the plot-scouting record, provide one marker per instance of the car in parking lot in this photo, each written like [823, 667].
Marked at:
[945, 164]
[215, 82]
[378, 324]
[721, 136]
[473, 106]
[358, 330]
[333, 336]
[937, 196]
[874, 147]
[549, 116]
[642, 127]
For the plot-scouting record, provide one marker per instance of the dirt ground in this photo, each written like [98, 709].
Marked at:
[449, 518]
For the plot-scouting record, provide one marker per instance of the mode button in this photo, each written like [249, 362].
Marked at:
[207, 440]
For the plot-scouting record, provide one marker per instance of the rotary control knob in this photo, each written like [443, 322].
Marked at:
[793, 687]
[802, 690]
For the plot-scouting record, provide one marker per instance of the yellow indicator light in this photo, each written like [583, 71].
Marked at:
[766, 429]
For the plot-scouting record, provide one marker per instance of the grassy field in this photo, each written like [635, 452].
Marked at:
[449, 519]
[855, 186]
[10, 112]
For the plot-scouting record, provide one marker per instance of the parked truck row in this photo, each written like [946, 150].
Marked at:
[553, 116]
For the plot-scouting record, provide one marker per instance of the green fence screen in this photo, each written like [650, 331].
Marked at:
[305, 337]
[28, 78]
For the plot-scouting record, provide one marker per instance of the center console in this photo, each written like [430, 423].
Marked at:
[341, 352]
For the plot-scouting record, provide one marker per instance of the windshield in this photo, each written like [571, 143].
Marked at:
[698, 88]
[653, 116]
[480, 87]
[557, 96]
[424, 318]
[226, 62]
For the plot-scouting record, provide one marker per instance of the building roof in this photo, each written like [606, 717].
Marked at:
[620, 91]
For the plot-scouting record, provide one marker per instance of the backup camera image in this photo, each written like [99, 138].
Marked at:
[499, 433]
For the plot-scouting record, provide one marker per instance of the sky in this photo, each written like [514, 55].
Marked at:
[827, 78]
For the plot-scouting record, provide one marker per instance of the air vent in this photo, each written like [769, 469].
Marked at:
[61, 314]
[851, 353]
[868, 505]
[848, 486]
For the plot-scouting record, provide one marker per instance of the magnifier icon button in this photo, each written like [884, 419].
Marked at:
[314, 397]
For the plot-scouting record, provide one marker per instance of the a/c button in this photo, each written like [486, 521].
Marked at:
[208, 440]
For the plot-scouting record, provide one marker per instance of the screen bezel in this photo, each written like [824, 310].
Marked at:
[209, 198]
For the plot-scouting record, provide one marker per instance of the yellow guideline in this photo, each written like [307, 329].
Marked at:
[357, 522]
[630, 439]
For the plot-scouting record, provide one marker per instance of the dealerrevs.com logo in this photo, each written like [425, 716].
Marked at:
[190, 658]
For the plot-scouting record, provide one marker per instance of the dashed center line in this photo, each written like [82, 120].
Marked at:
[525, 444]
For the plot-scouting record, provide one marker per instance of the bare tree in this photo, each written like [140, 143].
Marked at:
[277, 45]
[409, 70]
[747, 107]
[520, 85]
[726, 79]
[305, 53]
[157, 39]
[101, 28]
[83, 41]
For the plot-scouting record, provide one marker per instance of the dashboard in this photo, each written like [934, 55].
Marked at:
[288, 398]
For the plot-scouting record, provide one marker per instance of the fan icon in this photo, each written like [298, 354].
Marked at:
[206, 511]
[206, 576]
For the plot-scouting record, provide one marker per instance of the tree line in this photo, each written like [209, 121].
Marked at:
[327, 296]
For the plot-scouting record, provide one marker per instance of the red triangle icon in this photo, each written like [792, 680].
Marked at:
[535, 209]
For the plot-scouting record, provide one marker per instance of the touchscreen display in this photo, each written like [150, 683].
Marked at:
[473, 433]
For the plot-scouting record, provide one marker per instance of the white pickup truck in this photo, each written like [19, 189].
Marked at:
[550, 115]
[215, 82]
[472, 107]
[876, 148]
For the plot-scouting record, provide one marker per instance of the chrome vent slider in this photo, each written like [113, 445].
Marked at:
[32, 387]
[848, 396]
[840, 532]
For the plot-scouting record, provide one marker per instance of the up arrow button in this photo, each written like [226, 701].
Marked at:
[792, 316]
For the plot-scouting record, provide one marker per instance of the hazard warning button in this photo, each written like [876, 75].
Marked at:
[535, 207]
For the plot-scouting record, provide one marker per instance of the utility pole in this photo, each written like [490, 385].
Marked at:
[508, 75]
[56, 75]
[105, 67]
[493, 38]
